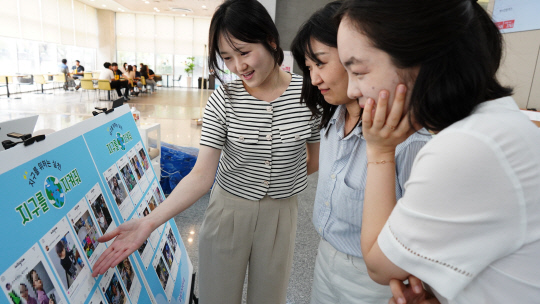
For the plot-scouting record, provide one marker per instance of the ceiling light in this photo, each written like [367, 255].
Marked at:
[180, 9]
[146, 2]
[204, 6]
[104, 5]
[183, 15]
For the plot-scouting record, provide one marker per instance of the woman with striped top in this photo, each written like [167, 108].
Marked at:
[340, 274]
[262, 137]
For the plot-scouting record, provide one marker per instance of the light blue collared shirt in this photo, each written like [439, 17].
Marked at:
[337, 213]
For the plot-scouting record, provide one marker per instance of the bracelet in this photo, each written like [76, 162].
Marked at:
[382, 162]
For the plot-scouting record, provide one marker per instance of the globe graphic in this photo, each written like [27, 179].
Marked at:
[120, 141]
[54, 191]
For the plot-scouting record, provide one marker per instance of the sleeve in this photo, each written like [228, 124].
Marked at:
[462, 210]
[214, 128]
[315, 131]
[404, 161]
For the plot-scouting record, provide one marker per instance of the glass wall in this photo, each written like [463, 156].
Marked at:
[163, 43]
[35, 35]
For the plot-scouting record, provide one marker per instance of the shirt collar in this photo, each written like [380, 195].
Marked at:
[338, 119]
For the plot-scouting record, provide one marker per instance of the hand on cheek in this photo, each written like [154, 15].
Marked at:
[384, 128]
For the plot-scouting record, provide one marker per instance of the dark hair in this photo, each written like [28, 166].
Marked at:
[124, 64]
[247, 21]
[59, 248]
[144, 71]
[114, 64]
[107, 65]
[64, 61]
[130, 68]
[78, 61]
[321, 27]
[455, 44]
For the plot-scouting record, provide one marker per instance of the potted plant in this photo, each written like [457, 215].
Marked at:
[190, 66]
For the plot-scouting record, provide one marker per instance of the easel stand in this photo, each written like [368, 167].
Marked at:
[192, 297]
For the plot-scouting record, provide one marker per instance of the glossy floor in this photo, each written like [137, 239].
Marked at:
[174, 109]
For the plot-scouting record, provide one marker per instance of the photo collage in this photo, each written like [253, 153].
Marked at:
[54, 260]
[70, 266]
[138, 168]
[100, 210]
[131, 281]
[130, 178]
[145, 161]
[167, 260]
[118, 191]
[29, 280]
[87, 231]
[112, 289]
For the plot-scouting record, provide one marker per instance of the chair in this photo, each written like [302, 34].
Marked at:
[87, 75]
[179, 78]
[40, 79]
[158, 78]
[105, 85]
[88, 85]
[60, 78]
[23, 80]
[95, 74]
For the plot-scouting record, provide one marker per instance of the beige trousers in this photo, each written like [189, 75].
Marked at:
[340, 278]
[236, 233]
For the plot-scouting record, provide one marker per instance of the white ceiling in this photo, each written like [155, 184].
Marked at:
[200, 8]
[164, 6]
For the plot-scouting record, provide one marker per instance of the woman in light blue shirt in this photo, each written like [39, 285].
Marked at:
[340, 272]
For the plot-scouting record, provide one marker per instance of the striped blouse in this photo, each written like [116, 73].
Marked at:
[263, 143]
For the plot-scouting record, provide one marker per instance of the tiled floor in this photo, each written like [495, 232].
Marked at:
[174, 109]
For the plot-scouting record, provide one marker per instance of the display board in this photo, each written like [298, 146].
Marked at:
[61, 194]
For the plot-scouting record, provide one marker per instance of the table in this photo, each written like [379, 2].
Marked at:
[167, 79]
[7, 84]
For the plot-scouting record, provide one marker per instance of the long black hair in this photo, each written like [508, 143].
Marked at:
[454, 42]
[247, 21]
[321, 27]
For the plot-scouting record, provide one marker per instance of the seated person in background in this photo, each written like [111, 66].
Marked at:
[137, 77]
[123, 68]
[119, 75]
[149, 78]
[108, 74]
[130, 75]
[153, 76]
[69, 80]
[78, 70]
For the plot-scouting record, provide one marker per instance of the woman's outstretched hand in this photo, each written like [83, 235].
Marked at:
[382, 131]
[412, 293]
[129, 237]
